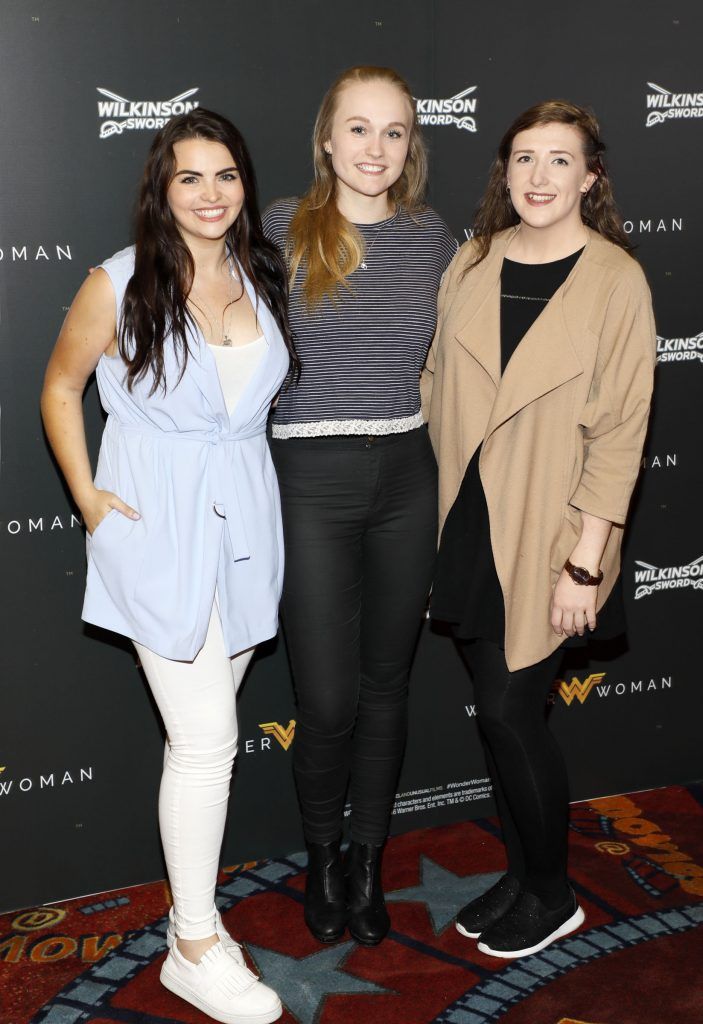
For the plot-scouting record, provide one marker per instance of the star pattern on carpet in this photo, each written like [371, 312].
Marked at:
[306, 982]
[444, 892]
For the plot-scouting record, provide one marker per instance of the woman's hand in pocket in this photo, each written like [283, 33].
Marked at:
[99, 504]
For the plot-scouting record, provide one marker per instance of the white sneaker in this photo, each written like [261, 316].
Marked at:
[230, 944]
[220, 987]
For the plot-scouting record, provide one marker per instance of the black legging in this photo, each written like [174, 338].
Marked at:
[525, 764]
[360, 527]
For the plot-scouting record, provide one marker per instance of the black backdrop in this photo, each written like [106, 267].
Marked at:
[80, 746]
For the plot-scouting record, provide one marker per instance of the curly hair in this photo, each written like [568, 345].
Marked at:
[599, 211]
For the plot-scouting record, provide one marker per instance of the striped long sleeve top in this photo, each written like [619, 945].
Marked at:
[361, 354]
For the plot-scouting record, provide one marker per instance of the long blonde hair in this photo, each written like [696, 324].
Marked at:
[318, 231]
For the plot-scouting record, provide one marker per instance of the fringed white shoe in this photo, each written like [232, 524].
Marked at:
[220, 987]
[230, 944]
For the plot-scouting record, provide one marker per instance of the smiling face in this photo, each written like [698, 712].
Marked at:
[206, 192]
[368, 143]
[547, 177]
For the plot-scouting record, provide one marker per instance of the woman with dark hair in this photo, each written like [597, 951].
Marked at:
[357, 476]
[187, 335]
[538, 389]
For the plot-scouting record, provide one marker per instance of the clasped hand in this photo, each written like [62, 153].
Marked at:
[573, 607]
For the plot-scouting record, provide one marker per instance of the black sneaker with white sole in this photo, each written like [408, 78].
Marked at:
[485, 910]
[529, 926]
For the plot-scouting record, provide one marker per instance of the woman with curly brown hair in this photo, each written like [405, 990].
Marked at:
[357, 476]
[538, 389]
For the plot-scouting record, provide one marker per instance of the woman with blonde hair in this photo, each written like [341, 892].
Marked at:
[357, 476]
[538, 388]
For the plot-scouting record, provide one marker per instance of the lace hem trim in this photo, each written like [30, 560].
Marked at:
[343, 428]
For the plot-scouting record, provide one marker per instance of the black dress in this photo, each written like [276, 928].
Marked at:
[466, 591]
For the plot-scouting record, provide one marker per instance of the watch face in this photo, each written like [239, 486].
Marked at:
[580, 575]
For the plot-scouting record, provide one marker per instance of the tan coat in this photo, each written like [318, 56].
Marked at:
[562, 430]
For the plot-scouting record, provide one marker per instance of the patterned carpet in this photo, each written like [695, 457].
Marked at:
[636, 863]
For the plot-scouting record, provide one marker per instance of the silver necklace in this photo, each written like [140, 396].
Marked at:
[226, 341]
[364, 265]
[526, 298]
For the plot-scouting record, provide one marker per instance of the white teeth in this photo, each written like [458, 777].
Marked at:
[210, 214]
[374, 168]
[539, 197]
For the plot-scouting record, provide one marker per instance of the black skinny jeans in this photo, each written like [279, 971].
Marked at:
[360, 529]
[526, 766]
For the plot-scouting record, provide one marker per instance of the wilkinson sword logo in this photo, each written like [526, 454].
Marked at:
[456, 110]
[663, 105]
[120, 114]
[650, 578]
[679, 350]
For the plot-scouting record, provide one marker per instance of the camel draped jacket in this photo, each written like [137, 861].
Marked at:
[562, 430]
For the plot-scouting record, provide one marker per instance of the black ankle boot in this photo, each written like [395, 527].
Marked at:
[368, 918]
[325, 896]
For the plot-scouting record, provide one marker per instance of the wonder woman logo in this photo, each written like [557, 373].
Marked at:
[572, 1020]
[576, 688]
[283, 735]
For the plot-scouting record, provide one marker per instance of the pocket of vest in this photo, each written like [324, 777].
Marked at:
[98, 529]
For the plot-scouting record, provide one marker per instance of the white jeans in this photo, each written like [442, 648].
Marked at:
[197, 701]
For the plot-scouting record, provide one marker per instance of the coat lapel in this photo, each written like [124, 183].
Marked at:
[544, 360]
[202, 370]
[546, 357]
[478, 315]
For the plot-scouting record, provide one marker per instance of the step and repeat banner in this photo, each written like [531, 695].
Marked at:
[85, 85]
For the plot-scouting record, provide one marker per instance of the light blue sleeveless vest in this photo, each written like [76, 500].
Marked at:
[204, 485]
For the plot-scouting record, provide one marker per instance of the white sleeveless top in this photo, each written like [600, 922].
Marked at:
[236, 365]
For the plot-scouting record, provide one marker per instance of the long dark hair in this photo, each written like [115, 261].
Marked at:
[598, 209]
[154, 305]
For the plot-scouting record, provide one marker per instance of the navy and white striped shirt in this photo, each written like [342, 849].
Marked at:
[361, 354]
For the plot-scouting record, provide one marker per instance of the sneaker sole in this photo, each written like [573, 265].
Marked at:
[469, 935]
[574, 922]
[173, 985]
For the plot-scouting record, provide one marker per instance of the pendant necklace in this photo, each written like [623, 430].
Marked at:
[364, 265]
[226, 341]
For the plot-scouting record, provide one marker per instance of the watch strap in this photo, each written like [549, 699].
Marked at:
[582, 576]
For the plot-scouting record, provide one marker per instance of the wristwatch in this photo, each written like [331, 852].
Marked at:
[582, 576]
